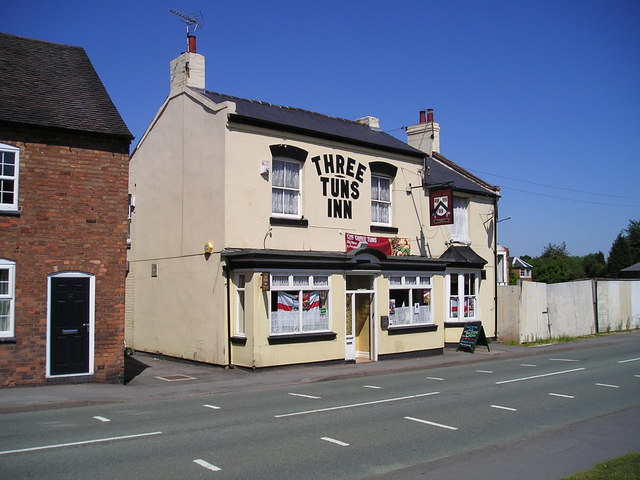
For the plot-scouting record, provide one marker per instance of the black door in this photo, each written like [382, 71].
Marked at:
[69, 325]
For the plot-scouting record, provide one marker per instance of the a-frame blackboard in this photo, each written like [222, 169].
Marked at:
[472, 335]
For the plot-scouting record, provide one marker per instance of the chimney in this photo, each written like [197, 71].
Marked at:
[425, 135]
[372, 122]
[187, 70]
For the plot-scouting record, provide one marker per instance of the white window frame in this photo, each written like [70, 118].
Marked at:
[240, 327]
[462, 298]
[296, 282]
[459, 229]
[10, 296]
[378, 201]
[284, 188]
[13, 206]
[415, 313]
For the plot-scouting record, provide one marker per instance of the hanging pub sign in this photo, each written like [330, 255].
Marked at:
[392, 247]
[441, 207]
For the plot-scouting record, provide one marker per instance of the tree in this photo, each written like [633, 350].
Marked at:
[594, 265]
[549, 270]
[619, 256]
[555, 251]
[633, 234]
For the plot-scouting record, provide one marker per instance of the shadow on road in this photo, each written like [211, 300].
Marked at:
[132, 368]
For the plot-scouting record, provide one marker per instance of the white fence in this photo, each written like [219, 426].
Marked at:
[535, 311]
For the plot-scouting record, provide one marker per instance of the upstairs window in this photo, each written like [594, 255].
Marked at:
[380, 200]
[285, 192]
[9, 162]
[7, 297]
[460, 218]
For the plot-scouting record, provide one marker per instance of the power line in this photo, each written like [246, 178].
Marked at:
[570, 199]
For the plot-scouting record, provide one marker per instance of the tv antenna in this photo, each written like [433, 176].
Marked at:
[193, 21]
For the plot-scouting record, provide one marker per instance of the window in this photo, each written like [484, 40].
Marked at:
[462, 291]
[9, 162]
[459, 227]
[240, 329]
[380, 200]
[299, 304]
[409, 300]
[285, 192]
[7, 297]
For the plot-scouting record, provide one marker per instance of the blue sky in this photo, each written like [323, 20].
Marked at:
[540, 97]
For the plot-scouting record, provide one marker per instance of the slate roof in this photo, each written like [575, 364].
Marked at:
[312, 123]
[54, 85]
[463, 254]
[441, 169]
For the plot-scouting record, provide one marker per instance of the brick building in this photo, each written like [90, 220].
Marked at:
[63, 218]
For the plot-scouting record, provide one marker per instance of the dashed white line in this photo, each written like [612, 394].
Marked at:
[504, 408]
[563, 360]
[207, 465]
[73, 444]
[102, 419]
[435, 378]
[304, 396]
[484, 371]
[214, 407]
[629, 360]
[539, 376]
[607, 385]
[419, 420]
[561, 395]
[637, 376]
[353, 405]
[333, 440]
[527, 365]
[372, 386]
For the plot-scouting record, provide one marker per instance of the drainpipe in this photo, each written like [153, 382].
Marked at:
[227, 275]
[594, 284]
[495, 265]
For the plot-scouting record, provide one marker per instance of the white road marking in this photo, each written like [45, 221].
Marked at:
[540, 376]
[504, 408]
[629, 360]
[353, 405]
[435, 378]
[563, 360]
[419, 420]
[333, 440]
[102, 419]
[527, 365]
[561, 395]
[73, 444]
[637, 376]
[304, 396]
[607, 385]
[207, 465]
[214, 407]
[372, 386]
[484, 371]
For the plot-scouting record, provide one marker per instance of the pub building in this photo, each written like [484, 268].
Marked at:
[263, 235]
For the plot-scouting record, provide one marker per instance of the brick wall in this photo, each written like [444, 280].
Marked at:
[73, 201]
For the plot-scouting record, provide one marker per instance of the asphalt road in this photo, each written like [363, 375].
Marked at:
[404, 425]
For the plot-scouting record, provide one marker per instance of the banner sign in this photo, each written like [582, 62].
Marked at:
[392, 247]
[441, 207]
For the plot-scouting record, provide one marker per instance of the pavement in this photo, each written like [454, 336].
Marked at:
[547, 456]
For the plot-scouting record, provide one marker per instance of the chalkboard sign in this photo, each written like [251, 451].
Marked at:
[472, 335]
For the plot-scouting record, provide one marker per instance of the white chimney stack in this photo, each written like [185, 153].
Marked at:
[188, 69]
[425, 135]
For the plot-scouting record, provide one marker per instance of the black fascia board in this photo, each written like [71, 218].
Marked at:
[243, 120]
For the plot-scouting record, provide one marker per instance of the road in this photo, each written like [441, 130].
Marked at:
[342, 429]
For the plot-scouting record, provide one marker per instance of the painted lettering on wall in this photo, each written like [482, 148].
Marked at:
[341, 179]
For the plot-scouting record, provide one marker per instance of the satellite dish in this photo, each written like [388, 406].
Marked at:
[193, 21]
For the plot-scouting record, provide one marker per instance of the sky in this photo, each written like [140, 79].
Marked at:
[541, 98]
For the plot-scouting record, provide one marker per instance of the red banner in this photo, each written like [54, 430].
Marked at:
[441, 207]
[393, 247]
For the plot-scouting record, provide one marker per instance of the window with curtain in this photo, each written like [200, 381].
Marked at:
[463, 297]
[409, 300]
[299, 304]
[285, 191]
[9, 162]
[240, 306]
[380, 200]
[7, 297]
[460, 217]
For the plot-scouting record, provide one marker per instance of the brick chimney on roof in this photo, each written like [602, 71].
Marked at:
[187, 70]
[425, 135]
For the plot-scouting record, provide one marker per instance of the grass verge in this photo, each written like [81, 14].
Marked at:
[622, 468]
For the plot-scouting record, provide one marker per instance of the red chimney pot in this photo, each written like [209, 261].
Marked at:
[191, 43]
[430, 115]
[423, 118]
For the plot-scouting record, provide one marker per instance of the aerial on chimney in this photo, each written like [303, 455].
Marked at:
[193, 23]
